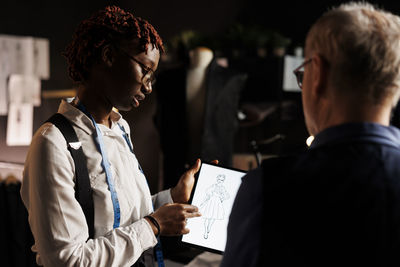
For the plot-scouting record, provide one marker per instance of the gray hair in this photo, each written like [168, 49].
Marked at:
[361, 45]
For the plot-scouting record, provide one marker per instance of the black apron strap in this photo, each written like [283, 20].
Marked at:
[83, 190]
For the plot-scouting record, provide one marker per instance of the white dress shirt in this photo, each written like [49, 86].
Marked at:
[56, 219]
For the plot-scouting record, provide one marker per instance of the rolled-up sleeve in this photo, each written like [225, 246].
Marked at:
[57, 220]
[161, 198]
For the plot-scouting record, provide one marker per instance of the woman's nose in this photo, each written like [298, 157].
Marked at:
[147, 89]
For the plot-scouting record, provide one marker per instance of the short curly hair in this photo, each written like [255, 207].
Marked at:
[107, 26]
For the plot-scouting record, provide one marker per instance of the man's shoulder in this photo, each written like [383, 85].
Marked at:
[282, 165]
[281, 161]
[271, 170]
[333, 164]
[252, 182]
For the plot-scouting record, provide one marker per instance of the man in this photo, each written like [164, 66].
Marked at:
[338, 204]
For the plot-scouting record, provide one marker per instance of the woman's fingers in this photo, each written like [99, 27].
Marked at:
[215, 161]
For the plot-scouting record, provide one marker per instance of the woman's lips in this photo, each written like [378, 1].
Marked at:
[135, 102]
[136, 99]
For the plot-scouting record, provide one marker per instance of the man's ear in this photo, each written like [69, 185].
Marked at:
[320, 75]
[107, 55]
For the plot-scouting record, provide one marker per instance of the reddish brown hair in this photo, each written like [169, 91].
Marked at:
[108, 26]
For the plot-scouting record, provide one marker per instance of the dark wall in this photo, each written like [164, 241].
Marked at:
[294, 18]
[56, 20]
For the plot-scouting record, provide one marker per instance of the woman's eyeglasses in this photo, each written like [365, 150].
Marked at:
[148, 78]
[299, 72]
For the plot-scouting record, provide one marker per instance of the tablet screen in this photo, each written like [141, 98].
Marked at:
[214, 193]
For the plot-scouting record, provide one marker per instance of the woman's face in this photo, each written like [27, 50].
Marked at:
[130, 74]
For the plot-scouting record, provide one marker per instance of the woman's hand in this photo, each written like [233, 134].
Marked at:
[172, 218]
[181, 192]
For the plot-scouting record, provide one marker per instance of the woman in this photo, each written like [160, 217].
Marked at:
[112, 58]
[212, 208]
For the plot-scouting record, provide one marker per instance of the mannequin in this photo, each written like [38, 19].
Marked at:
[199, 58]
[196, 116]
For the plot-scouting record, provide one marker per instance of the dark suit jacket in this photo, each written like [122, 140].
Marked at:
[220, 121]
[338, 204]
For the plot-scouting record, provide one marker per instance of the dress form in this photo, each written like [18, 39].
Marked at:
[196, 77]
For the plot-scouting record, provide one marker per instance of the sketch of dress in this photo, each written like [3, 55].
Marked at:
[212, 207]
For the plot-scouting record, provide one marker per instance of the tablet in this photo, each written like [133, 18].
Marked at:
[214, 192]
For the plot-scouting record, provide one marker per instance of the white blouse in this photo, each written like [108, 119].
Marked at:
[57, 221]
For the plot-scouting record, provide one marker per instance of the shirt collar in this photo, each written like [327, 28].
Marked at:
[80, 119]
[365, 131]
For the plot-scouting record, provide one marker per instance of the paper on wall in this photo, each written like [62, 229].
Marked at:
[41, 57]
[19, 124]
[3, 95]
[24, 89]
[289, 79]
[25, 56]
[16, 54]
[6, 42]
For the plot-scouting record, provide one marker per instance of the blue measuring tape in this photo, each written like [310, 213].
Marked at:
[158, 249]
[126, 137]
[106, 166]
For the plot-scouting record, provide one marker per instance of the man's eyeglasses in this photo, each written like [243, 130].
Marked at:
[299, 72]
[148, 78]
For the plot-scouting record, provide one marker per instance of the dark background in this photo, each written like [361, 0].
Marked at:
[56, 21]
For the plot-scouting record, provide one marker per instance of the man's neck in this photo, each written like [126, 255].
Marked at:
[343, 113]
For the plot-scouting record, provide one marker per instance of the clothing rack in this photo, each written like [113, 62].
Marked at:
[11, 171]
[15, 235]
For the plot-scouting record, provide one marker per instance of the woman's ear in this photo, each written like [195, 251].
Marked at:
[107, 55]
